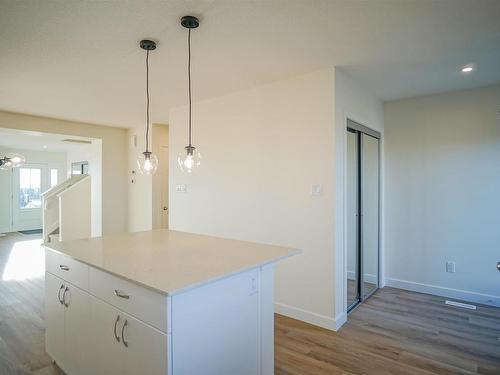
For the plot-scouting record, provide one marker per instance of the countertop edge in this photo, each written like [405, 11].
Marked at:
[182, 289]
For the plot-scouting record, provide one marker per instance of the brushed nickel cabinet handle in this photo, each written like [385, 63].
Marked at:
[123, 330]
[120, 294]
[64, 297]
[63, 267]
[59, 294]
[114, 330]
[498, 266]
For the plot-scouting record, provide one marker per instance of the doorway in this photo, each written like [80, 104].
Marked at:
[363, 212]
[160, 178]
[28, 183]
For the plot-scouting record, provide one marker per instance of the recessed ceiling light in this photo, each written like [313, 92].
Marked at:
[44, 146]
[467, 69]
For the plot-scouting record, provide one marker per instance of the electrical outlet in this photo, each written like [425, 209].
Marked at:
[450, 267]
[181, 188]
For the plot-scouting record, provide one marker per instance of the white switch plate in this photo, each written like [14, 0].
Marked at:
[316, 189]
[180, 188]
[254, 285]
[450, 267]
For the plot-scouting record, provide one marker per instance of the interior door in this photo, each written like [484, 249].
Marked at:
[164, 186]
[54, 318]
[370, 214]
[352, 207]
[362, 213]
[28, 184]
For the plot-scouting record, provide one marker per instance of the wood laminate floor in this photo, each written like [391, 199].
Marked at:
[352, 290]
[394, 332]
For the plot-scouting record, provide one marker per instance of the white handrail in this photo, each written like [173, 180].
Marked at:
[72, 186]
[62, 186]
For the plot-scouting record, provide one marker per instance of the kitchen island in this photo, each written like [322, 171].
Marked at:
[161, 302]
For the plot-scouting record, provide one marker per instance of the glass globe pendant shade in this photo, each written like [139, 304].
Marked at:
[5, 164]
[16, 159]
[189, 160]
[147, 162]
[11, 160]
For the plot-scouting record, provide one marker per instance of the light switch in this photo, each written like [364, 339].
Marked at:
[181, 188]
[316, 189]
[254, 285]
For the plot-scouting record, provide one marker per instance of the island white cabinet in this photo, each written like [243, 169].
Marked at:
[161, 303]
[67, 320]
[123, 344]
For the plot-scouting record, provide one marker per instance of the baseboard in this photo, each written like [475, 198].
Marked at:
[310, 317]
[370, 278]
[464, 295]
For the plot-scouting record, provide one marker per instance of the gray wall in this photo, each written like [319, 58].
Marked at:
[442, 193]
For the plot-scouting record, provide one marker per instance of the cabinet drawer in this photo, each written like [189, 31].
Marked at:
[67, 268]
[140, 302]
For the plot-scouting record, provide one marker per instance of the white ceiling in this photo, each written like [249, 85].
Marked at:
[80, 60]
[38, 141]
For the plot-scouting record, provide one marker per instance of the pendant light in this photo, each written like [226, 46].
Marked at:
[11, 160]
[147, 161]
[191, 158]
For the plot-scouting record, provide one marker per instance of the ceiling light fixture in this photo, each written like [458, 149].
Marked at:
[467, 69]
[191, 158]
[147, 161]
[12, 160]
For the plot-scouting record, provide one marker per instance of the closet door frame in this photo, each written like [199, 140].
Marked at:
[361, 131]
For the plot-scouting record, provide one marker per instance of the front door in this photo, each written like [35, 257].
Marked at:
[28, 184]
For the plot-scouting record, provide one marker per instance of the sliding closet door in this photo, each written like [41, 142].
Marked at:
[362, 213]
[370, 213]
[352, 208]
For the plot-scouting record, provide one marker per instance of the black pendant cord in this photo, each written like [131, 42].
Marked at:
[189, 87]
[147, 101]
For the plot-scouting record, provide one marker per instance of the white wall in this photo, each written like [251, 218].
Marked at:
[93, 154]
[114, 160]
[140, 196]
[442, 189]
[352, 101]
[53, 160]
[262, 150]
[144, 194]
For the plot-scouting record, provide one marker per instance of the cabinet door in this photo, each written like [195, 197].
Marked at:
[77, 320]
[144, 348]
[105, 328]
[54, 318]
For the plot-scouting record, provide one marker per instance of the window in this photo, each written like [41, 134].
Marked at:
[81, 167]
[53, 177]
[30, 188]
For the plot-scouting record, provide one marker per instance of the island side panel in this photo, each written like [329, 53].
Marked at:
[216, 328]
[267, 319]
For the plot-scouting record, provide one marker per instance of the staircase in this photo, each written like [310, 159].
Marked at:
[66, 210]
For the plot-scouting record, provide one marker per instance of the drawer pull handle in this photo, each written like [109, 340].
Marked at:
[59, 294]
[63, 267]
[114, 331]
[121, 294]
[123, 330]
[64, 297]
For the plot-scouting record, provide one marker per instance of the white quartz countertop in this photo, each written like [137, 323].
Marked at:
[169, 261]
